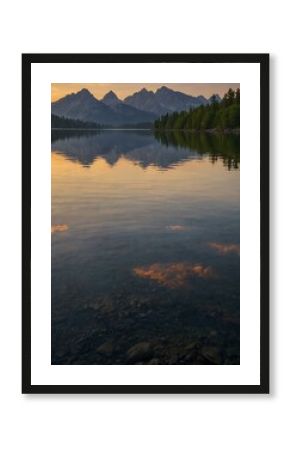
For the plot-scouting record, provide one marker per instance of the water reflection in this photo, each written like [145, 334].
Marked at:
[60, 228]
[141, 225]
[224, 249]
[60, 134]
[145, 149]
[176, 228]
[174, 275]
[217, 146]
[138, 147]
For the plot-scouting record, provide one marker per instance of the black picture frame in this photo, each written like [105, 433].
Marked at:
[263, 60]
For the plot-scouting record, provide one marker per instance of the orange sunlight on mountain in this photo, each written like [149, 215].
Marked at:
[122, 90]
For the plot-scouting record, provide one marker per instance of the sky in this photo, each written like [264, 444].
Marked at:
[122, 90]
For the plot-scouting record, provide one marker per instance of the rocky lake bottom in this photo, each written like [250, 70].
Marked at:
[145, 249]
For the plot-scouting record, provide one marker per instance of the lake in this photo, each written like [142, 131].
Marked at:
[145, 241]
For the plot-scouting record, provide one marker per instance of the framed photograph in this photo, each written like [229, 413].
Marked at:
[145, 223]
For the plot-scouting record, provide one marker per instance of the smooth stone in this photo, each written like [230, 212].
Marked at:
[140, 352]
[213, 333]
[107, 347]
[193, 346]
[173, 360]
[154, 361]
[211, 354]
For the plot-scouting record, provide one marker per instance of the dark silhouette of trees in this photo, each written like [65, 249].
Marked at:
[223, 115]
[65, 123]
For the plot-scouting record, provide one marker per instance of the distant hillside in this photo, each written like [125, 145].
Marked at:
[111, 111]
[164, 100]
[143, 107]
[63, 122]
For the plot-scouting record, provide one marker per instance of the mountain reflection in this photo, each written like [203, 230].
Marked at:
[137, 248]
[162, 150]
[174, 275]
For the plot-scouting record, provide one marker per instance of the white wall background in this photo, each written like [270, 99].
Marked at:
[142, 422]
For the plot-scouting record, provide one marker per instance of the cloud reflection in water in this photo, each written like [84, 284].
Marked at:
[59, 228]
[224, 249]
[174, 275]
[176, 227]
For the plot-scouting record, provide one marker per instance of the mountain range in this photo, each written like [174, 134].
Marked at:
[142, 107]
[164, 100]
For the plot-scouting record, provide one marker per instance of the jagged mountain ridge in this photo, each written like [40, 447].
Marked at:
[165, 100]
[111, 99]
[142, 107]
[84, 106]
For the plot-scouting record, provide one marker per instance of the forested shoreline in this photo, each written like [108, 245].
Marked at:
[58, 122]
[61, 122]
[220, 116]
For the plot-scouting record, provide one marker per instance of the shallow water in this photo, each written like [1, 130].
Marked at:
[145, 248]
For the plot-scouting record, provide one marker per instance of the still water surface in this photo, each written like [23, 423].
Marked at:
[145, 248]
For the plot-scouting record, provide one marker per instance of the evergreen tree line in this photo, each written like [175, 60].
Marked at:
[219, 115]
[64, 122]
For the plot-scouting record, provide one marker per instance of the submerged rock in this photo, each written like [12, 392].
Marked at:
[106, 348]
[140, 352]
[154, 361]
[212, 355]
[195, 345]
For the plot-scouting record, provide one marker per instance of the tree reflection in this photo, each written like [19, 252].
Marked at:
[59, 134]
[225, 147]
[161, 149]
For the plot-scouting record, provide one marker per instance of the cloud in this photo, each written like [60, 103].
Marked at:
[174, 275]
